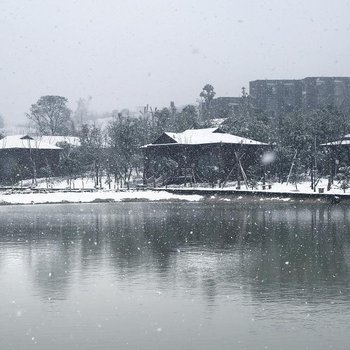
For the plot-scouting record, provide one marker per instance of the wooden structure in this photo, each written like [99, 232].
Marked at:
[22, 156]
[199, 155]
[338, 154]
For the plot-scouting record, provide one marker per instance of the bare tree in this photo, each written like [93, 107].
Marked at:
[51, 116]
[207, 95]
[92, 150]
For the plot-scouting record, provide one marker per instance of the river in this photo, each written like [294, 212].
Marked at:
[175, 276]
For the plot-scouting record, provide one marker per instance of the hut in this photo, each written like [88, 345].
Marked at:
[199, 155]
[23, 156]
[338, 154]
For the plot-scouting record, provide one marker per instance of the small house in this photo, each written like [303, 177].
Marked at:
[199, 155]
[23, 156]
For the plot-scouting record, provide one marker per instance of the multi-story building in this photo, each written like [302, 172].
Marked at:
[280, 96]
[223, 107]
[323, 91]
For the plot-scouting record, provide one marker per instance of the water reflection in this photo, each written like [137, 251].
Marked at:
[264, 257]
[269, 247]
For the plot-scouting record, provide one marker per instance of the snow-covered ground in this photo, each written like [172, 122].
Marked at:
[88, 183]
[27, 197]
[65, 184]
[82, 191]
[302, 187]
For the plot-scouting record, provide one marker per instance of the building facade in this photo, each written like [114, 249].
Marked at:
[279, 96]
[223, 107]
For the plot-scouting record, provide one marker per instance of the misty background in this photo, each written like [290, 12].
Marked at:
[126, 54]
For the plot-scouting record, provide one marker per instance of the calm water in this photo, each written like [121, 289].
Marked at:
[175, 276]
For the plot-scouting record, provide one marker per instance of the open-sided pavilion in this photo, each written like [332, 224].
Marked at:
[339, 154]
[200, 155]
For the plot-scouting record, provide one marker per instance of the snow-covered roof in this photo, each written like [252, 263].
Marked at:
[337, 143]
[189, 135]
[206, 136]
[24, 141]
[54, 140]
[345, 140]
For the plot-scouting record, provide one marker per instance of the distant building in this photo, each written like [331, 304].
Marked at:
[276, 95]
[280, 96]
[320, 92]
[223, 107]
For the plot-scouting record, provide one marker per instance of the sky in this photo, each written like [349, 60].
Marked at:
[130, 53]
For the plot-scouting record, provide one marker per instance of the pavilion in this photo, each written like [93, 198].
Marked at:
[339, 153]
[200, 155]
[22, 156]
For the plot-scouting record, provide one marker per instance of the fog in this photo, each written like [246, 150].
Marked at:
[131, 53]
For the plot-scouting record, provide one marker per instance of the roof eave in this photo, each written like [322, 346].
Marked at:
[206, 144]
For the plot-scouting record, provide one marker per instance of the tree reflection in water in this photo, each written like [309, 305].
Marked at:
[268, 249]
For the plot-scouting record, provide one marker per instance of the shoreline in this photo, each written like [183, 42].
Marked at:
[100, 196]
[333, 198]
[167, 195]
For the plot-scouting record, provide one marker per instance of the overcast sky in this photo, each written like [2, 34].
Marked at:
[128, 53]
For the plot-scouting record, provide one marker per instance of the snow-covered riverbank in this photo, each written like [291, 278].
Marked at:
[61, 194]
[87, 197]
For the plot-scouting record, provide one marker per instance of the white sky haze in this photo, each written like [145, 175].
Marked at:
[128, 53]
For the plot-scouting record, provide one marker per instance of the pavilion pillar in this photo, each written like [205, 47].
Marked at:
[238, 172]
[264, 177]
[220, 164]
[331, 165]
[146, 161]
